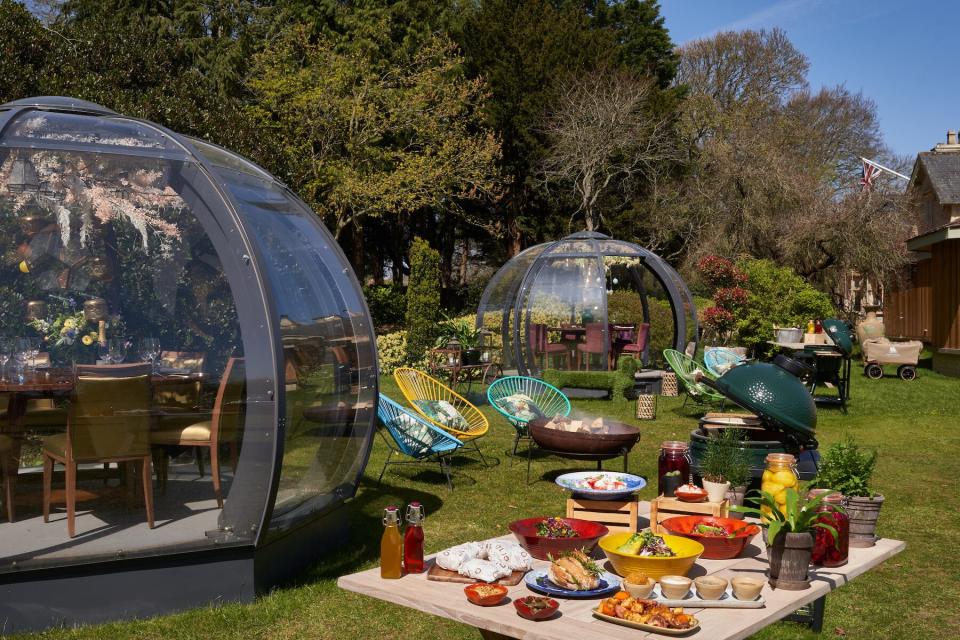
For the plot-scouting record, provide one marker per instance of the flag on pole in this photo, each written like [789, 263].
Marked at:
[870, 172]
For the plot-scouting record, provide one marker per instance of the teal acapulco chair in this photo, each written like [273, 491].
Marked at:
[520, 399]
[719, 360]
[686, 369]
[414, 437]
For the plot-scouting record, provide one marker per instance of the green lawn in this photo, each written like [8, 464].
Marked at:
[914, 595]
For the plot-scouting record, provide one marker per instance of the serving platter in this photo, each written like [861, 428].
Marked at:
[644, 627]
[539, 581]
[569, 482]
[439, 574]
[692, 600]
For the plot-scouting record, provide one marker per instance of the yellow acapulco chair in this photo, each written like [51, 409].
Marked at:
[423, 392]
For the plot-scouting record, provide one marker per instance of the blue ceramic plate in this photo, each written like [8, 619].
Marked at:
[539, 582]
[570, 481]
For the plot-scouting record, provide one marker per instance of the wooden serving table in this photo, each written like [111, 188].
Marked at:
[575, 619]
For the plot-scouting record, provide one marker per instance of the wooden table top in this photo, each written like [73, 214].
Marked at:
[821, 349]
[576, 621]
[61, 381]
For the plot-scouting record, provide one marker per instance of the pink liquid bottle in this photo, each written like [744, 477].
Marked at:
[413, 539]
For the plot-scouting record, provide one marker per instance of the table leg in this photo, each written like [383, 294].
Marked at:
[816, 621]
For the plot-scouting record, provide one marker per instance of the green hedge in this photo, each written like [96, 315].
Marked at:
[423, 299]
[388, 305]
[616, 382]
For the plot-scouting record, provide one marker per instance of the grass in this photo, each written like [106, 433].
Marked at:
[914, 426]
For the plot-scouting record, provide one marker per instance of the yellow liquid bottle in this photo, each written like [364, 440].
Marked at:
[391, 545]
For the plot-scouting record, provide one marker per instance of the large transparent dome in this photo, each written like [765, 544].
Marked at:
[580, 302]
[124, 243]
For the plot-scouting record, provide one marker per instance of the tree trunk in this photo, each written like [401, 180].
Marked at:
[448, 241]
[464, 261]
[358, 254]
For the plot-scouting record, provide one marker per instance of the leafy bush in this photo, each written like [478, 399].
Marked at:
[423, 299]
[847, 469]
[387, 305]
[719, 272]
[778, 296]
[391, 351]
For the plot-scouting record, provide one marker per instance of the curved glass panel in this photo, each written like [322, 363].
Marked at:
[124, 376]
[584, 301]
[73, 129]
[328, 350]
[226, 159]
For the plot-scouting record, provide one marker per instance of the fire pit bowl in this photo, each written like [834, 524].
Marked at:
[619, 437]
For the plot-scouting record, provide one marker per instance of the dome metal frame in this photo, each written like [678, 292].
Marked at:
[234, 571]
[515, 321]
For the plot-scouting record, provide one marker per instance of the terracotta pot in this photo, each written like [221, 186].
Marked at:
[863, 513]
[716, 491]
[735, 495]
[789, 558]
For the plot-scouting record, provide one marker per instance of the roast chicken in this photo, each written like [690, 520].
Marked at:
[575, 571]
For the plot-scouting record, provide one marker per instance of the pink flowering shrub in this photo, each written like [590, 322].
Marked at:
[719, 272]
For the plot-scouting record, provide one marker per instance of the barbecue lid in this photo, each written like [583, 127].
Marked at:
[772, 393]
[841, 333]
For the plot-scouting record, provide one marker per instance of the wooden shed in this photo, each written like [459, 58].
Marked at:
[926, 305]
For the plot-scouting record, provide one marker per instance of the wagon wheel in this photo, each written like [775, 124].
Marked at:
[874, 371]
[907, 372]
[491, 373]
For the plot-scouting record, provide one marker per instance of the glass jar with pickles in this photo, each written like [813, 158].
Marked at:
[779, 475]
[673, 466]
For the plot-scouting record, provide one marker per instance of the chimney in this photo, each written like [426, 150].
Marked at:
[951, 137]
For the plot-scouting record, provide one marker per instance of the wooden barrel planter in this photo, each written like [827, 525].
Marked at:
[789, 558]
[863, 513]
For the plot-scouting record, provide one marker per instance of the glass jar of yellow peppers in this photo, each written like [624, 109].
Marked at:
[780, 474]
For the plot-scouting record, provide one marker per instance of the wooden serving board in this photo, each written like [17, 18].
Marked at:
[439, 574]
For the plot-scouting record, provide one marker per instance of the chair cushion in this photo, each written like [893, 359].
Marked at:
[56, 444]
[520, 406]
[417, 435]
[196, 432]
[444, 413]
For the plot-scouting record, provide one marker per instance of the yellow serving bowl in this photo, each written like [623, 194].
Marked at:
[687, 551]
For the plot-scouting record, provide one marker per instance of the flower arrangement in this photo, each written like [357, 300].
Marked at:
[68, 336]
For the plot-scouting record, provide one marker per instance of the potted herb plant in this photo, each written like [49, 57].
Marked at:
[848, 469]
[725, 465]
[790, 529]
[465, 336]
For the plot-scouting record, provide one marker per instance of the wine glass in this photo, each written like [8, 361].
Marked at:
[149, 349]
[6, 352]
[116, 350]
[22, 352]
[34, 351]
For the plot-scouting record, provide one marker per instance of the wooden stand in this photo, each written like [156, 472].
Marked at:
[616, 515]
[663, 508]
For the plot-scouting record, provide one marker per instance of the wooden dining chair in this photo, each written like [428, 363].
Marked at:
[8, 466]
[222, 426]
[592, 345]
[544, 348]
[108, 421]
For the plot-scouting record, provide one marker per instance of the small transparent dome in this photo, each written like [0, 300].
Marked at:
[583, 302]
[188, 358]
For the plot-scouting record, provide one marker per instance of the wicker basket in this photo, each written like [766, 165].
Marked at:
[646, 407]
[668, 384]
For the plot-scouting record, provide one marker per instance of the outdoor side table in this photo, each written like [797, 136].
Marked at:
[576, 620]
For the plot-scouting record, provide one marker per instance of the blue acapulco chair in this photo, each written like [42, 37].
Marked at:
[549, 402]
[414, 437]
[719, 360]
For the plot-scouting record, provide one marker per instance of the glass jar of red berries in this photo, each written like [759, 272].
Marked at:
[827, 550]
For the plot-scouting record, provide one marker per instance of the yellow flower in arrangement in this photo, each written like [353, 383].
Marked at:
[88, 339]
[24, 267]
[69, 323]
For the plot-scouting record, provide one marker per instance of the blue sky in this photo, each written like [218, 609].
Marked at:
[903, 55]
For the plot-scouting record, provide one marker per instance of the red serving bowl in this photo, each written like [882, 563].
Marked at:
[690, 494]
[524, 610]
[526, 534]
[714, 547]
[497, 593]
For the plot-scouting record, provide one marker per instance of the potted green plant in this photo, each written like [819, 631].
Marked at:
[725, 465]
[790, 527]
[464, 336]
[848, 469]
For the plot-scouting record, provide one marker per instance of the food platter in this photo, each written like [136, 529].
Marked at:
[624, 484]
[644, 627]
[539, 581]
[693, 601]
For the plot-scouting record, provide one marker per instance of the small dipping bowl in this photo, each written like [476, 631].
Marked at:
[674, 587]
[524, 610]
[485, 595]
[710, 587]
[638, 590]
[746, 588]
